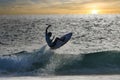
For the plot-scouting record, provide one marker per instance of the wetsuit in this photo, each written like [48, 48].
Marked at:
[50, 42]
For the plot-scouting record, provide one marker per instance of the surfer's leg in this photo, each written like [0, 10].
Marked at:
[55, 42]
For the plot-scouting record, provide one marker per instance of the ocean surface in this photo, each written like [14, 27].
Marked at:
[94, 48]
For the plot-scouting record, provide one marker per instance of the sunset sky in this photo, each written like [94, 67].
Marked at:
[59, 6]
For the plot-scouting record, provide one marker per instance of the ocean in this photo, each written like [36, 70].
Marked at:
[93, 52]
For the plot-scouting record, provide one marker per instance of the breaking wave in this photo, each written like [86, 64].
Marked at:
[42, 62]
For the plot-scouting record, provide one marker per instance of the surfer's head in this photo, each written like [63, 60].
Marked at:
[49, 34]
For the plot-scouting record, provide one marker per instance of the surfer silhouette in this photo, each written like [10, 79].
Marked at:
[52, 42]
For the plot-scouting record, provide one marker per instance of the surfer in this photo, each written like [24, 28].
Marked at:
[52, 42]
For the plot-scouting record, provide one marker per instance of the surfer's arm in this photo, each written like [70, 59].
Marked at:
[47, 29]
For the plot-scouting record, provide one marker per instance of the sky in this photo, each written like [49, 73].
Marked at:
[59, 6]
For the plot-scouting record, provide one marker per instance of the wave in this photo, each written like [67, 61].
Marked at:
[105, 62]
[48, 62]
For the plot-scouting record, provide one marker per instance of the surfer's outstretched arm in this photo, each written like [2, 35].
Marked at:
[47, 29]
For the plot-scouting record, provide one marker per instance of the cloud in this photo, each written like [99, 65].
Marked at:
[6, 2]
[60, 4]
[49, 5]
[48, 2]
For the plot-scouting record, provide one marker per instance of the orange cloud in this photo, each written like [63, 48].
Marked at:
[60, 7]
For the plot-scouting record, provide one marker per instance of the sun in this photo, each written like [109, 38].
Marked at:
[94, 11]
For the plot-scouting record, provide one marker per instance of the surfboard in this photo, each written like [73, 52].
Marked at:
[59, 43]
